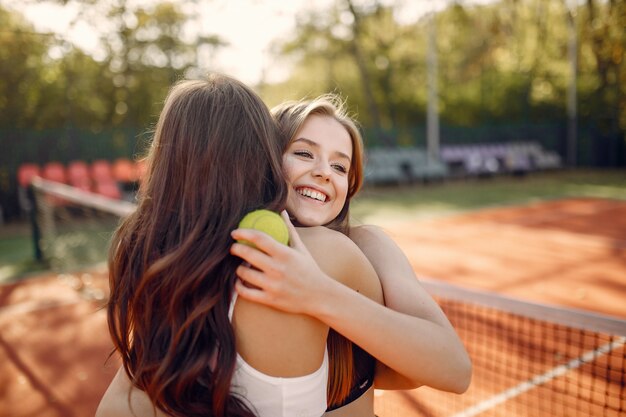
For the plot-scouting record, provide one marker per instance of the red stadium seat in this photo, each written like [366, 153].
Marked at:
[124, 171]
[54, 171]
[101, 171]
[78, 175]
[26, 172]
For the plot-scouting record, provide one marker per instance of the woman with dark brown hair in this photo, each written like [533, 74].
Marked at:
[188, 346]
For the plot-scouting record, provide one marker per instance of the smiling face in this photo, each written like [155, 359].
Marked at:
[317, 165]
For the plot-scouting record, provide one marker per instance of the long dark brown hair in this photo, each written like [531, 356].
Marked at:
[214, 157]
[291, 116]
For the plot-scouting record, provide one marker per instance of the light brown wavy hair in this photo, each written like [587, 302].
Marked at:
[214, 157]
[291, 116]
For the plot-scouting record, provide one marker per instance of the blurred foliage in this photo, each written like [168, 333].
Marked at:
[49, 83]
[502, 64]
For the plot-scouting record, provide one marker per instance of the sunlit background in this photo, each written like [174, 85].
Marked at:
[496, 160]
[84, 80]
[248, 27]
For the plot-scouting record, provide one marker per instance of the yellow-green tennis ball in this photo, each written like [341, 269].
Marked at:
[265, 221]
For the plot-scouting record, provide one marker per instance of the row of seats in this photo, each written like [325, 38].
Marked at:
[490, 158]
[402, 165]
[101, 176]
[406, 165]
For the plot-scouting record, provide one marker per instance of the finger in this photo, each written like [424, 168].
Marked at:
[252, 278]
[252, 256]
[251, 293]
[294, 237]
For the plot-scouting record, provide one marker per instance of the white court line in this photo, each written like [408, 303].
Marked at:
[541, 379]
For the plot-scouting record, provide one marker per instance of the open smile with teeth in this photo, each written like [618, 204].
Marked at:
[311, 193]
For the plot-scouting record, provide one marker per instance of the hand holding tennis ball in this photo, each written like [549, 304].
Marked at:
[265, 221]
[275, 275]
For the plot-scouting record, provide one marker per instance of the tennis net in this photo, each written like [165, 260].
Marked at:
[72, 228]
[528, 360]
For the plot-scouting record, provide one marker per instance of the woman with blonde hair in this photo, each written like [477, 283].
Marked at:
[407, 343]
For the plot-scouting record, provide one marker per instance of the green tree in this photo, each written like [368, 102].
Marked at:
[146, 53]
[603, 27]
[25, 78]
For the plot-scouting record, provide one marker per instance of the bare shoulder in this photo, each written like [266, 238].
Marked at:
[370, 234]
[379, 248]
[330, 247]
[341, 258]
[313, 236]
[367, 229]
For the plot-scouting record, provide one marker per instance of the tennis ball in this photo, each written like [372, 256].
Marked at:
[265, 221]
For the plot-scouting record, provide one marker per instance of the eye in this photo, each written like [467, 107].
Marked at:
[304, 154]
[340, 168]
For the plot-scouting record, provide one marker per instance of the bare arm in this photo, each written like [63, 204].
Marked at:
[283, 277]
[417, 310]
[418, 344]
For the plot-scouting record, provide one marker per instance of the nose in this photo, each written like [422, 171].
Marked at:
[322, 170]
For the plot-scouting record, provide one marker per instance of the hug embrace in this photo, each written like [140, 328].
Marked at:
[207, 326]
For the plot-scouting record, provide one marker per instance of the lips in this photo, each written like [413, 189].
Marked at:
[312, 193]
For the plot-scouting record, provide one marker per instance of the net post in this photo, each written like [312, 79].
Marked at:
[32, 214]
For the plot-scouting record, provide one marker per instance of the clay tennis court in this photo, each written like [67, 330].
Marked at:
[54, 341]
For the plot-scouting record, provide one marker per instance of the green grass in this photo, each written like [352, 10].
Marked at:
[381, 206]
[77, 244]
[384, 205]
[17, 256]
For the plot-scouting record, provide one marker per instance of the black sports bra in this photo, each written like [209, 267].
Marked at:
[364, 367]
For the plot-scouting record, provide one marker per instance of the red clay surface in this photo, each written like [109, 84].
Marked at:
[566, 252]
[54, 341]
[569, 253]
[54, 345]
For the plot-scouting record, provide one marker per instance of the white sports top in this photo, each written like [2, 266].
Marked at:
[270, 396]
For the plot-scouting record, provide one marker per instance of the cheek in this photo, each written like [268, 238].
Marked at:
[291, 202]
[342, 189]
[292, 168]
[288, 169]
